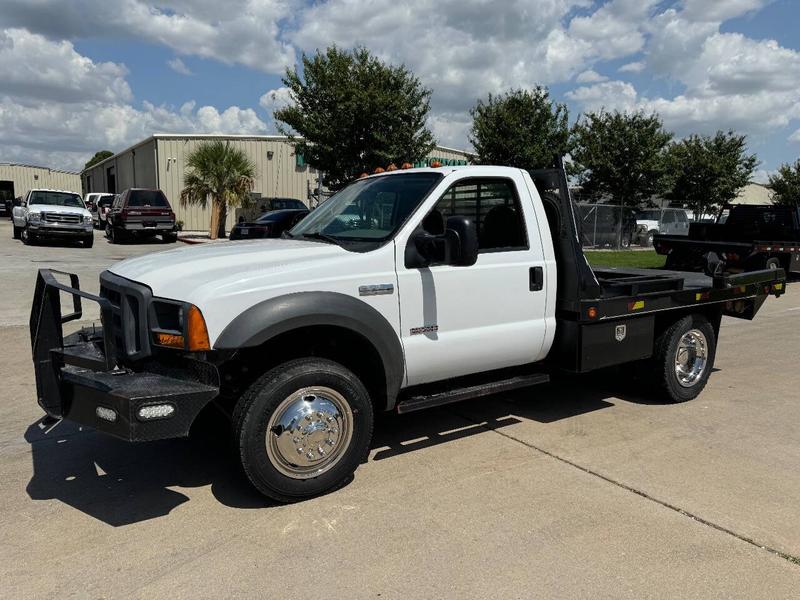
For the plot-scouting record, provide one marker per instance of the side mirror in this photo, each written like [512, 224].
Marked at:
[462, 237]
[457, 246]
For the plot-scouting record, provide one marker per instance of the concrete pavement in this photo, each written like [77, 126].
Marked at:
[579, 488]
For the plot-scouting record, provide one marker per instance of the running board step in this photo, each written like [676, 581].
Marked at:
[423, 401]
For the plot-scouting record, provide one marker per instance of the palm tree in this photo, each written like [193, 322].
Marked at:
[224, 174]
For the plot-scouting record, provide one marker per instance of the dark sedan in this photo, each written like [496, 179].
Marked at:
[268, 225]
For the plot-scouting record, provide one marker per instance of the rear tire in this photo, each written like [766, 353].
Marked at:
[683, 358]
[773, 263]
[169, 238]
[302, 429]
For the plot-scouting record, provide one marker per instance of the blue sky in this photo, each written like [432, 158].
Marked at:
[104, 75]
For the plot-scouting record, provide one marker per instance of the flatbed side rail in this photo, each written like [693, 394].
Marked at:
[47, 334]
[751, 288]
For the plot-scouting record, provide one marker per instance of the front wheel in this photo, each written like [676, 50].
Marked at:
[27, 237]
[683, 357]
[302, 429]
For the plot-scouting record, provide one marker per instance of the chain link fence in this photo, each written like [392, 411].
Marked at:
[609, 226]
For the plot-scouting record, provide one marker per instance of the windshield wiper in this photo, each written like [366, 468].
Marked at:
[318, 235]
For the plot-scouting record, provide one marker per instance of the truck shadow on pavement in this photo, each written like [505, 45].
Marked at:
[120, 483]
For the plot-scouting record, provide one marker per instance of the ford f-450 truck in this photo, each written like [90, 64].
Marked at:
[405, 290]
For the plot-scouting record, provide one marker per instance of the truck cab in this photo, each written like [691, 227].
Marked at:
[405, 290]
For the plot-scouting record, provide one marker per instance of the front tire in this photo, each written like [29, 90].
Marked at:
[683, 358]
[302, 429]
[27, 237]
[88, 241]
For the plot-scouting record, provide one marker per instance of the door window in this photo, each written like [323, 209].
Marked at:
[491, 204]
[668, 218]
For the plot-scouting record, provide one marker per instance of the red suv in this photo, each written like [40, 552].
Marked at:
[140, 213]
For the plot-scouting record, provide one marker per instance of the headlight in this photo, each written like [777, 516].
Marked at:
[180, 326]
[87, 219]
[34, 216]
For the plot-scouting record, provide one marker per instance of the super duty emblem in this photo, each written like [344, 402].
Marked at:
[620, 332]
[426, 329]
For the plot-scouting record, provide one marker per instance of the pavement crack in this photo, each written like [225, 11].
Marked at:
[721, 528]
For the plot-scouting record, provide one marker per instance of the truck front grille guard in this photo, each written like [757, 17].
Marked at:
[47, 334]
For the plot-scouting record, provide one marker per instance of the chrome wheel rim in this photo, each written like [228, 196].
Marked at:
[691, 357]
[309, 432]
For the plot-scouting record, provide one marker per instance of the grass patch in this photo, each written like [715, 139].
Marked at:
[626, 258]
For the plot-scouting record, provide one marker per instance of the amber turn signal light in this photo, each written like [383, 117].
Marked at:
[168, 339]
[196, 330]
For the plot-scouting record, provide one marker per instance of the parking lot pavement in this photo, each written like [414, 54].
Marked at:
[578, 488]
[20, 262]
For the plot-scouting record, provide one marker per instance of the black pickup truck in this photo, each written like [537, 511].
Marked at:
[746, 237]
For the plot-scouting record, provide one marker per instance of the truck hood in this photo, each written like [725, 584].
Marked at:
[216, 269]
[64, 210]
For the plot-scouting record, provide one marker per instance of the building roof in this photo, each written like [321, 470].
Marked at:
[235, 136]
[13, 164]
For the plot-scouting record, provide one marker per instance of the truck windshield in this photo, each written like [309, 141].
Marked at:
[369, 210]
[56, 199]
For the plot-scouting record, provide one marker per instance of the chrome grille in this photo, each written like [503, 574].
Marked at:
[50, 217]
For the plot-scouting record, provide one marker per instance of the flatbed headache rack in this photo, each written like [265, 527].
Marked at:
[587, 295]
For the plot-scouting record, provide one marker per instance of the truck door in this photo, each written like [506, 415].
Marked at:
[668, 223]
[460, 320]
[682, 223]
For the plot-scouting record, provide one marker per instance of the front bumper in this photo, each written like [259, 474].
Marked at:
[78, 380]
[53, 230]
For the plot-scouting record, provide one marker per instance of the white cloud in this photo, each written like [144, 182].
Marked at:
[177, 65]
[41, 127]
[272, 100]
[611, 95]
[632, 67]
[720, 10]
[32, 66]
[590, 76]
[234, 31]
[461, 49]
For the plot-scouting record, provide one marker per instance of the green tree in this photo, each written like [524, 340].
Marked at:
[620, 155]
[98, 157]
[224, 175]
[705, 172]
[786, 184]
[522, 129]
[354, 114]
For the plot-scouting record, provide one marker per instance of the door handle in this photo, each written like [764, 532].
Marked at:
[536, 276]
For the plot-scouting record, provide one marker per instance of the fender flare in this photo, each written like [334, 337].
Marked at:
[270, 318]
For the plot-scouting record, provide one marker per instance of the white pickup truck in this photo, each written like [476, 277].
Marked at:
[452, 283]
[52, 214]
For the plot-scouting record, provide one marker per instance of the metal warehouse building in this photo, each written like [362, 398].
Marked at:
[16, 180]
[160, 162]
